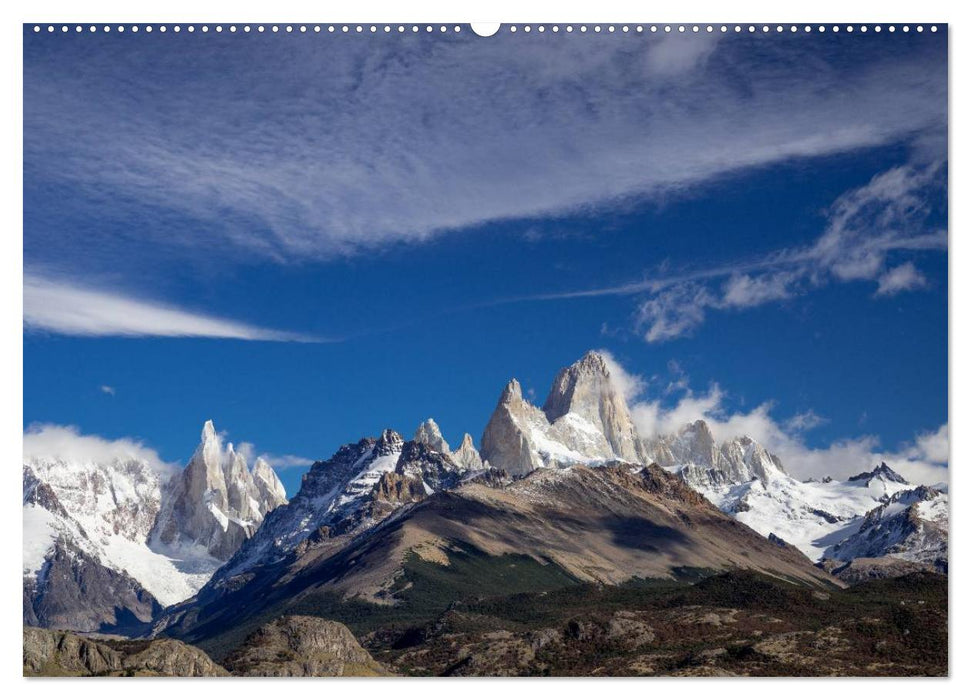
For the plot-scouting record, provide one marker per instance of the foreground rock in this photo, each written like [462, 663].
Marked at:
[56, 653]
[302, 646]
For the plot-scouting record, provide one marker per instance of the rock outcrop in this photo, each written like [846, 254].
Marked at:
[57, 653]
[298, 645]
[466, 456]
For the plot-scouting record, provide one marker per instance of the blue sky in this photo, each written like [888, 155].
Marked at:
[308, 238]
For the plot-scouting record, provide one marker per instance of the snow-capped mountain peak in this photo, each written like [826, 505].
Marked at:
[586, 390]
[429, 434]
[882, 474]
[585, 420]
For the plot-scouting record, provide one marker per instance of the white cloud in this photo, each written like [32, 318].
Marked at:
[900, 279]
[629, 385]
[742, 291]
[674, 54]
[285, 461]
[47, 441]
[105, 389]
[933, 446]
[69, 309]
[674, 311]
[807, 420]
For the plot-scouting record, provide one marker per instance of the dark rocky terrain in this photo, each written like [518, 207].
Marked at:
[739, 623]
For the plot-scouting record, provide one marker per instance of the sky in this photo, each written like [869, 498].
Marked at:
[308, 238]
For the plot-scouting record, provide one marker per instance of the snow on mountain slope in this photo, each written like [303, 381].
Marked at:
[362, 484]
[912, 525]
[107, 510]
[743, 479]
[104, 511]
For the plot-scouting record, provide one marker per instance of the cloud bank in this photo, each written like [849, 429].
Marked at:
[923, 459]
[66, 308]
[47, 441]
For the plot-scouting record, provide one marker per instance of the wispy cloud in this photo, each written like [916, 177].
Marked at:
[105, 389]
[900, 279]
[284, 461]
[865, 226]
[66, 308]
[334, 148]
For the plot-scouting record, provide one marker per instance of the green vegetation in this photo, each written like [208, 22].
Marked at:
[426, 589]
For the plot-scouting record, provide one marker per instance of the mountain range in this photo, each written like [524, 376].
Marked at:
[563, 494]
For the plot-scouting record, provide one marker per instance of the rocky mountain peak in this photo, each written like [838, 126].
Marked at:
[586, 390]
[390, 441]
[585, 420]
[513, 392]
[699, 433]
[215, 501]
[466, 455]
[208, 432]
[882, 473]
[271, 489]
[428, 433]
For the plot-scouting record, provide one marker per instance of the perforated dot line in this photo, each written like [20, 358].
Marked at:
[709, 28]
[441, 29]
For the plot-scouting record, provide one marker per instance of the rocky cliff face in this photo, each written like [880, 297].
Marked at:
[707, 465]
[298, 645]
[429, 434]
[466, 456]
[587, 390]
[74, 590]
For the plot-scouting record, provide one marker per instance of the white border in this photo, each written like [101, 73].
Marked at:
[520, 11]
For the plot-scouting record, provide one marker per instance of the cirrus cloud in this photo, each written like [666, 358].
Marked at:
[66, 308]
